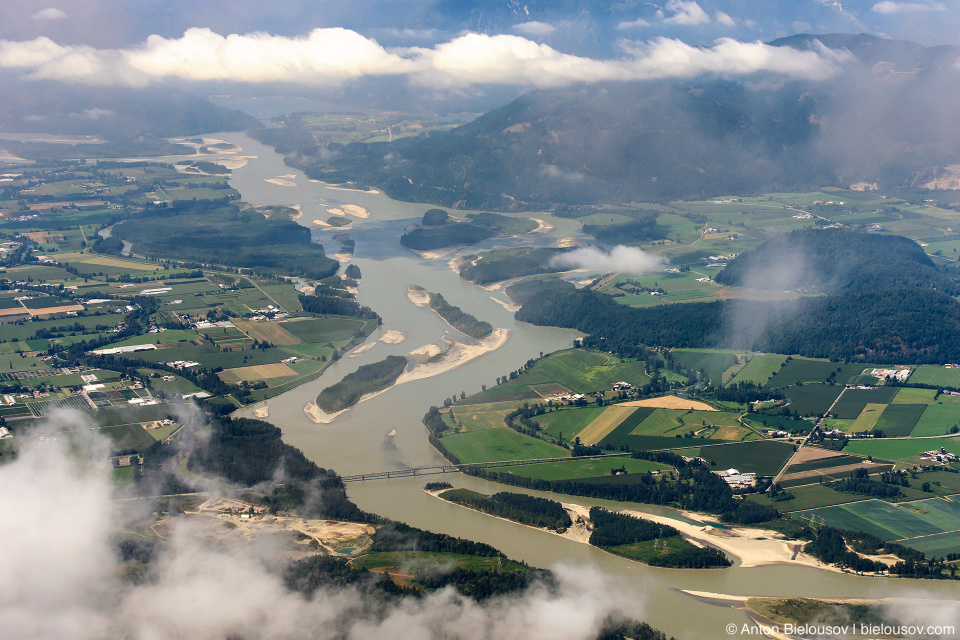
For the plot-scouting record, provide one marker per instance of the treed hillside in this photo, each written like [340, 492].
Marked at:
[659, 140]
[833, 260]
[897, 325]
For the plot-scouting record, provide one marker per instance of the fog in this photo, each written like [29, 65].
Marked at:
[61, 576]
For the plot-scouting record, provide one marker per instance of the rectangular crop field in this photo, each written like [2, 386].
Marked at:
[493, 445]
[620, 437]
[938, 376]
[937, 419]
[853, 401]
[867, 420]
[468, 419]
[804, 370]
[568, 422]
[763, 457]
[812, 399]
[812, 496]
[257, 372]
[594, 468]
[760, 368]
[601, 427]
[901, 450]
[267, 331]
[713, 361]
[330, 329]
[907, 395]
[900, 419]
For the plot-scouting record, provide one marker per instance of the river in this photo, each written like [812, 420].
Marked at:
[355, 442]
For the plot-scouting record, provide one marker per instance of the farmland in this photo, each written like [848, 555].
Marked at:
[492, 445]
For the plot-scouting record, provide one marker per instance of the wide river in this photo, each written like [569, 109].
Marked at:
[355, 442]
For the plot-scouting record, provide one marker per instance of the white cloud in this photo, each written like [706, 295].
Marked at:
[687, 13]
[905, 7]
[50, 13]
[334, 56]
[534, 28]
[95, 113]
[633, 24]
[621, 259]
[724, 19]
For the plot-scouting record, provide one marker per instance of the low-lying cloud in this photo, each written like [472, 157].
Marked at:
[61, 577]
[621, 258]
[336, 55]
[906, 7]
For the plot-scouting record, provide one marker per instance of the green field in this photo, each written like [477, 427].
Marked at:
[811, 496]
[867, 420]
[620, 437]
[853, 401]
[938, 376]
[932, 523]
[712, 361]
[937, 419]
[900, 419]
[812, 399]
[593, 468]
[906, 450]
[470, 419]
[763, 457]
[760, 368]
[915, 396]
[492, 445]
[330, 329]
[568, 422]
[804, 370]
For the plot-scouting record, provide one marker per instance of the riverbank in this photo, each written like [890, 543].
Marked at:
[456, 355]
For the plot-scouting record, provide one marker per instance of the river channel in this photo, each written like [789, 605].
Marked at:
[356, 441]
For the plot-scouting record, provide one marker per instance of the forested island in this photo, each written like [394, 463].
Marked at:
[528, 510]
[368, 378]
[503, 264]
[459, 319]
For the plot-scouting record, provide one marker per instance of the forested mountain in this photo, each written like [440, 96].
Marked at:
[896, 325]
[659, 140]
[833, 260]
[112, 112]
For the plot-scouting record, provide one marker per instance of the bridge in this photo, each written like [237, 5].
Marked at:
[430, 469]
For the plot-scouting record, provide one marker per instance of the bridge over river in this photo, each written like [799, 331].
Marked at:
[429, 469]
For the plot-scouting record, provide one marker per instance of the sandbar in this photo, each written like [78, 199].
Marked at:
[419, 297]
[261, 412]
[355, 210]
[457, 355]
[281, 182]
[318, 415]
[570, 241]
[512, 308]
[542, 227]
[393, 336]
[342, 188]
[362, 349]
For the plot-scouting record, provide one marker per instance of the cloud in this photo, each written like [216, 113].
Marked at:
[62, 580]
[621, 258]
[724, 19]
[335, 56]
[633, 24]
[95, 113]
[686, 13]
[50, 13]
[905, 7]
[534, 28]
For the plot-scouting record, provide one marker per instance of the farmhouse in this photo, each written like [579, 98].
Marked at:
[735, 479]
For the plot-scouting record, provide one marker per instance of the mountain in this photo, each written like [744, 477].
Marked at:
[885, 119]
[112, 113]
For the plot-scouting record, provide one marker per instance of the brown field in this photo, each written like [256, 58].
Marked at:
[669, 402]
[13, 311]
[257, 372]
[834, 472]
[606, 422]
[49, 310]
[107, 261]
[808, 454]
[44, 237]
[267, 331]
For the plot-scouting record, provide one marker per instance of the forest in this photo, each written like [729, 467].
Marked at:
[368, 378]
[834, 260]
[612, 530]
[529, 510]
[248, 452]
[216, 232]
[459, 319]
[915, 325]
[497, 265]
[427, 239]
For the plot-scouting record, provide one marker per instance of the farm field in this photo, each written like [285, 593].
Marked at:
[931, 523]
[492, 445]
[478, 417]
[867, 420]
[900, 419]
[759, 368]
[568, 422]
[595, 468]
[853, 401]
[938, 376]
[915, 396]
[812, 399]
[605, 423]
[806, 370]
[712, 361]
[330, 329]
[936, 420]
[902, 450]
[763, 457]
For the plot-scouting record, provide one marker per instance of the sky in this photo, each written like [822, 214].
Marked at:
[439, 44]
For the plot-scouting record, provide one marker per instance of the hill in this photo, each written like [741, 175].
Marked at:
[833, 260]
[660, 140]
